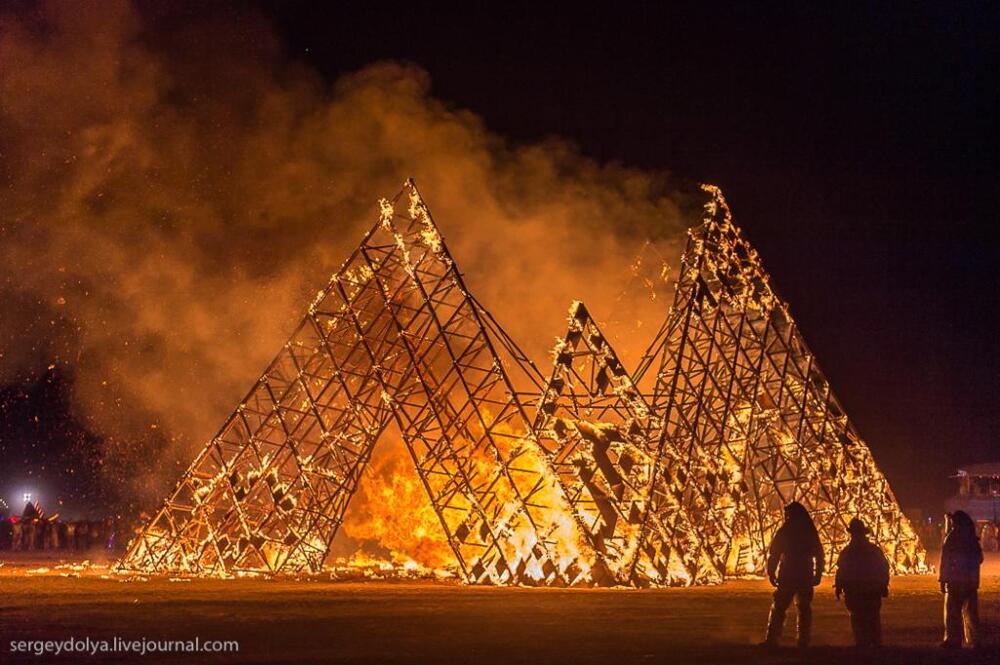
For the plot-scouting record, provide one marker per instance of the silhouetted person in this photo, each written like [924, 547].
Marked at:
[989, 540]
[17, 536]
[961, 556]
[107, 533]
[27, 534]
[82, 536]
[50, 536]
[863, 579]
[794, 566]
[6, 534]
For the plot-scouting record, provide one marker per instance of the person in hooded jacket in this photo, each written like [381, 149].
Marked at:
[794, 565]
[863, 579]
[961, 557]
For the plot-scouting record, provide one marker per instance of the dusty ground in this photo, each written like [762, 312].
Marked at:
[427, 622]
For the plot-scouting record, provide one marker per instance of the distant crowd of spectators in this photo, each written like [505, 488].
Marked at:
[34, 531]
[21, 535]
[989, 536]
[931, 535]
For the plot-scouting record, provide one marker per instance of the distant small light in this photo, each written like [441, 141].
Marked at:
[27, 497]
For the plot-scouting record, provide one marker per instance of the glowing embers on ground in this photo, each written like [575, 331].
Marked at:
[581, 479]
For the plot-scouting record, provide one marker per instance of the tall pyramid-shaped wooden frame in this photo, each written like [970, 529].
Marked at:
[672, 476]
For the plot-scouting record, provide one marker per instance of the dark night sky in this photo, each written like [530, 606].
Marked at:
[857, 147]
[858, 150]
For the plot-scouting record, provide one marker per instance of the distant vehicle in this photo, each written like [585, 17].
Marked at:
[979, 496]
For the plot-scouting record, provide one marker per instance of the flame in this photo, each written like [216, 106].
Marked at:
[562, 536]
[392, 519]
[391, 515]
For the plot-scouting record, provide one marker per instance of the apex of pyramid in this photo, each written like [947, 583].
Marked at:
[716, 208]
[733, 269]
[578, 311]
[420, 214]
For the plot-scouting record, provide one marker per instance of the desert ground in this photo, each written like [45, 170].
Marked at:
[324, 621]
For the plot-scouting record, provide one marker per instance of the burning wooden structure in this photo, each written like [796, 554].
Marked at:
[737, 390]
[674, 474]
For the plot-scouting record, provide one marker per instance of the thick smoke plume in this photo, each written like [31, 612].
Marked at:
[175, 191]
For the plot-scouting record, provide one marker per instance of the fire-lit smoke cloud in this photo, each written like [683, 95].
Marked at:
[175, 191]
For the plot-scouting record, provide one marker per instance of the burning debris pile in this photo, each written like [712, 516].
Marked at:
[675, 474]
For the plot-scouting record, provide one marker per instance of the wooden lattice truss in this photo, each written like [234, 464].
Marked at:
[755, 425]
[584, 478]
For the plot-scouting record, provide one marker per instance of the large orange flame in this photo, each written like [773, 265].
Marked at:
[391, 516]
